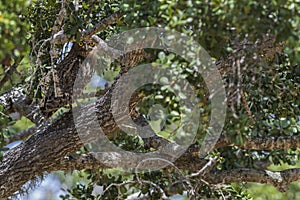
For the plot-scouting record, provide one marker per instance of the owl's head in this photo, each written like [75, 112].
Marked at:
[86, 47]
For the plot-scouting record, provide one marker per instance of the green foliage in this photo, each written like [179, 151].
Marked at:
[214, 23]
[13, 29]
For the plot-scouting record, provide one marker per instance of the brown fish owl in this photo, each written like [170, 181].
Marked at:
[58, 83]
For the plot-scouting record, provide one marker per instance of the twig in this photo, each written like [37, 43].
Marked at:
[10, 71]
[102, 25]
[204, 169]
[21, 135]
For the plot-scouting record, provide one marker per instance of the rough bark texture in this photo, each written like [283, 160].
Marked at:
[37, 154]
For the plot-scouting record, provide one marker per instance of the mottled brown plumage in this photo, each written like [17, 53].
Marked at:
[58, 83]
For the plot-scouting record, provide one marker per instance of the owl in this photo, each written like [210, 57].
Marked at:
[58, 86]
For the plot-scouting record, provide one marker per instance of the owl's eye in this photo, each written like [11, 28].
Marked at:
[92, 44]
[80, 44]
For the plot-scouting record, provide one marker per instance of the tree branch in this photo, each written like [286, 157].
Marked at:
[37, 154]
[10, 71]
[61, 38]
[21, 135]
[263, 143]
[16, 100]
[102, 25]
[279, 179]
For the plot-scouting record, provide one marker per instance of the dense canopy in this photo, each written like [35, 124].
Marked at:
[151, 100]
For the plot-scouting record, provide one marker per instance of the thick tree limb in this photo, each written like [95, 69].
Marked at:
[36, 155]
[78, 162]
[49, 145]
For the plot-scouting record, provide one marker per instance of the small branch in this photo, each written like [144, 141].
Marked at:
[264, 143]
[102, 25]
[21, 135]
[272, 143]
[61, 38]
[15, 100]
[9, 72]
[279, 179]
[207, 167]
